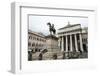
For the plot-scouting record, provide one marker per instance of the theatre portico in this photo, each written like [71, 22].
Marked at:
[70, 38]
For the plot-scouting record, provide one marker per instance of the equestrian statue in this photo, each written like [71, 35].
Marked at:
[51, 28]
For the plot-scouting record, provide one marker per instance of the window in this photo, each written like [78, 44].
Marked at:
[33, 44]
[29, 44]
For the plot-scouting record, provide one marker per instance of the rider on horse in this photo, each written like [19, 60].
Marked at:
[51, 28]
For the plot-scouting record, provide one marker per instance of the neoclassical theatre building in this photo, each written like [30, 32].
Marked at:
[73, 38]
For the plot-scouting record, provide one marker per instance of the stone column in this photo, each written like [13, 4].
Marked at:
[66, 44]
[81, 44]
[76, 45]
[62, 46]
[71, 49]
[59, 42]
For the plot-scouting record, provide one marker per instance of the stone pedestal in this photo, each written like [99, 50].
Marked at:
[52, 43]
[52, 47]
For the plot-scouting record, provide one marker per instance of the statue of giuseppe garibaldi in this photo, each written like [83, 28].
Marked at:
[51, 28]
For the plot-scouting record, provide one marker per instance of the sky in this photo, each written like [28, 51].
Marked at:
[39, 23]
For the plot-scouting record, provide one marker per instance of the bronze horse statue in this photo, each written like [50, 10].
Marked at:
[51, 28]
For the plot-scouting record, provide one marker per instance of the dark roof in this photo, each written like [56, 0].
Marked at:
[69, 26]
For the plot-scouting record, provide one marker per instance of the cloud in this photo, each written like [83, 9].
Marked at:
[39, 23]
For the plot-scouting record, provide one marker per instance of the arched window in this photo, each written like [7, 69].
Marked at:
[36, 44]
[33, 44]
[29, 44]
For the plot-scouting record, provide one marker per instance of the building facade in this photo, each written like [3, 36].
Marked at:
[85, 39]
[36, 41]
[73, 38]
